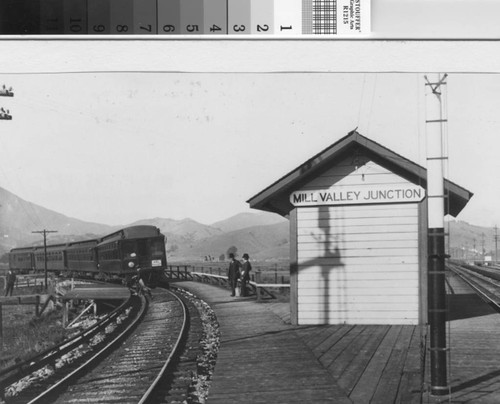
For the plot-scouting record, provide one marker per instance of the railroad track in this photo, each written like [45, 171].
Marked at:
[484, 282]
[151, 363]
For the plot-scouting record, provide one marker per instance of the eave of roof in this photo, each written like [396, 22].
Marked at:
[274, 198]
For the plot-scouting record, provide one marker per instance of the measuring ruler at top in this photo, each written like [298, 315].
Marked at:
[185, 17]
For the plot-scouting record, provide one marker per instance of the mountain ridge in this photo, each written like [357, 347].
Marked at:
[263, 235]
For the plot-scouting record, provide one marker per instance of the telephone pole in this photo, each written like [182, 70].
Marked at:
[44, 232]
[436, 120]
[496, 244]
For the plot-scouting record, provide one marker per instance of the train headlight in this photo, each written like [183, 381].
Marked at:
[131, 264]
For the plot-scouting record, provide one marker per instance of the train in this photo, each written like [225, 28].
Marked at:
[115, 256]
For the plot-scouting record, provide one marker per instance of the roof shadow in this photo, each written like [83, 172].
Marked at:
[463, 306]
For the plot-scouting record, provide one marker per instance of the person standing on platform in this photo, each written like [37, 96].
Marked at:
[246, 267]
[11, 281]
[233, 273]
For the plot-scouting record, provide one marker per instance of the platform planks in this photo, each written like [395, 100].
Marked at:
[474, 360]
[264, 359]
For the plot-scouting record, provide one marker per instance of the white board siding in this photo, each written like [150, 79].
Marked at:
[345, 228]
[329, 250]
[374, 222]
[356, 317]
[358, 264]
[402, 290]
[345, 173]
[403, 308]
[310, 243]
[359, 211]
[391, 270]
[357, 276]
[371, 299]
[326, 262]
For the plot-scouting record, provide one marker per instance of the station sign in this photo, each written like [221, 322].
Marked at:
[356, 195]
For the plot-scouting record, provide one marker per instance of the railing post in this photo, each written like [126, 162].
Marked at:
[257, 281]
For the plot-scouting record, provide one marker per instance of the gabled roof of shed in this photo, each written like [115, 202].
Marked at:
[275, 198]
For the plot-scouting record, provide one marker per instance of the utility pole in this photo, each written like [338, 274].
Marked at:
[435, 86]
[496, 244]
[483, 250]
[5, 92]
[44, 232]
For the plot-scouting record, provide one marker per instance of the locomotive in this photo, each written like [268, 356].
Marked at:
[115, 256]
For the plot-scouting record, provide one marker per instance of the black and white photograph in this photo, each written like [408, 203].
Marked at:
[249, 234]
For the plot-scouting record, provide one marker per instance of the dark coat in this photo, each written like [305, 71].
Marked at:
[245, 270]
[233, 272]
[11, 278]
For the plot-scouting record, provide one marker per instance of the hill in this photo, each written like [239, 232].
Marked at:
[19, 218]
[263, 235]
[244, 220]
[268, 242]
[468, 241]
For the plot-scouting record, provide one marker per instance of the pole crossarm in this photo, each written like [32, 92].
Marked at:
[435, 86]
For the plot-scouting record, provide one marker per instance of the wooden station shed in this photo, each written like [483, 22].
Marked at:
[358, 234]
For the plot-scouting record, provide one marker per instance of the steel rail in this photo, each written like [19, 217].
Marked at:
[48, 356]
[174, 351]
[95, 357]
[475, 286]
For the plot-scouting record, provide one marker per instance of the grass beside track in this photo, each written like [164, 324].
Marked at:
[25, 335]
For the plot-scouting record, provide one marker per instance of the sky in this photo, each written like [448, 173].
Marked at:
[118, 147]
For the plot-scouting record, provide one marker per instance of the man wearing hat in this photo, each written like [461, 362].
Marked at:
[245, 274]
[233, 273]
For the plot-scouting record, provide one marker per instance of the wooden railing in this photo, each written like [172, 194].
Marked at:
[27, 280]
[218, 276]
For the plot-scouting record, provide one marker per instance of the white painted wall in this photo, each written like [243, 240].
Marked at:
[358, 264]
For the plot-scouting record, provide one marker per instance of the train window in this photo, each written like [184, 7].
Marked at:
[156, 247]
[109, 252]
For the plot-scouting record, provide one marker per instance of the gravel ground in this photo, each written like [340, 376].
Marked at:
[210, 341]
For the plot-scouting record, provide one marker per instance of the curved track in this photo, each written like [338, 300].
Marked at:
[48, 368]
[130, 374]
[132, 368]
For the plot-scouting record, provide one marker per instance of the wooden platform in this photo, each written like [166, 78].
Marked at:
[264, 359]
[474, 342]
